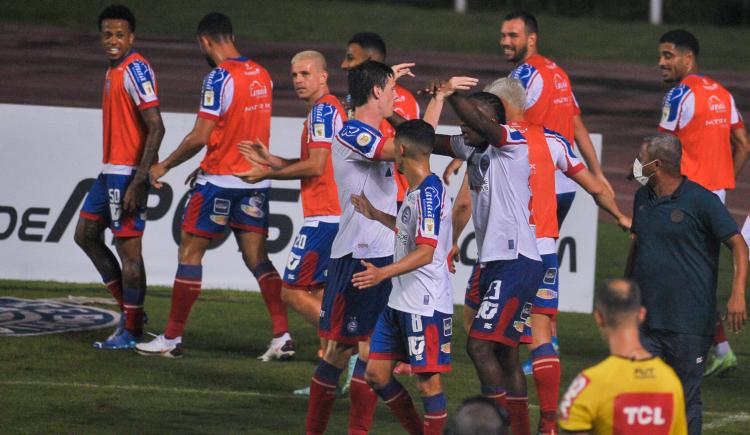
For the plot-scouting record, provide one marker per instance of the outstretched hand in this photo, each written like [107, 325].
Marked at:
[369, 277]
[254, 151]
[363, 206]
[445, 88]
[403, 69]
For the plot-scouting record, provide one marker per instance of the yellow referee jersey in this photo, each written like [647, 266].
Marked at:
[621, 396]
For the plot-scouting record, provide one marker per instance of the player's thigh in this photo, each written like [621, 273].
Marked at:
[249, 221]
[253, 247]
[89, 231]
[192, 248]
[129, 248]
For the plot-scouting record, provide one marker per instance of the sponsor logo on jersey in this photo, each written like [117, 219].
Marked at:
[148, 89]
[429, 227]
[716, 105]
[448, 327]
[445, 348]
[363, 139]
[644, 373]
[22, 317]
[406, 214]
[219, 219]
[576, 387]
[560, 83]
[319, 130]
[546, 294]
[257, 89]
[221, 206]
[707, 85]
[252, 210]
[550, 276]
[402, 238]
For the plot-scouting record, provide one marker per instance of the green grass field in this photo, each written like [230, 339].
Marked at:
[403, 27]
[58, 384]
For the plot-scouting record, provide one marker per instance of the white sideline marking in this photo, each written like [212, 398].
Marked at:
[148, 388]
[734, 418]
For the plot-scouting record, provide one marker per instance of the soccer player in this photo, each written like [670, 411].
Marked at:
[509, 264]
[703, 114]
[367, 45]
[416, 326]
[630, 392]
[361, 165]
[235, 106]
[548, 152]
[307, 265]
[133, 130]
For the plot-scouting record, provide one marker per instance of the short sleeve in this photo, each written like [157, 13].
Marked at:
[562, 154]
[140, 84]
[322, 123]
[578, 406]
[678, 108]
[638, 202]
[716, 217]
[736, 118]
[431, 198]
[216, 94]
[459, 147]
[531, 80]
[365, 142]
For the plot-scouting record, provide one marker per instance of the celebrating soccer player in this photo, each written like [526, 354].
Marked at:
[416, 326]
[235, 106]
[306, 268]
[133, 130]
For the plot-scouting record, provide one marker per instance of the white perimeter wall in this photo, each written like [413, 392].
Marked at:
[46, 152]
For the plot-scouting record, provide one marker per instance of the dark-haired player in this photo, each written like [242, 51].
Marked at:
[235, 106]
[370, 46]
[133, 130]
[416, 326]
[362, 164]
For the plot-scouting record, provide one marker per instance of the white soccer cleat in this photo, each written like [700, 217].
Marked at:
[161, 346]
[281, 348]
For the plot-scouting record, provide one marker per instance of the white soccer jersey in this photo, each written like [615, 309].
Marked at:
[424, 218]
[501, 196]
[354, 150]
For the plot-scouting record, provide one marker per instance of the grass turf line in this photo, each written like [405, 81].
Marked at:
[213, 388]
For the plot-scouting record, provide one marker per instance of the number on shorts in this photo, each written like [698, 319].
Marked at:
[493, 293]
[114, 196]
[416, 323]
[487, 310]
[300, 241]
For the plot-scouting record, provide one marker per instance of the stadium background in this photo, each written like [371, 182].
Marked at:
[51, 56]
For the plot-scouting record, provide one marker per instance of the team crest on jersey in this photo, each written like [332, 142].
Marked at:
[429, 227]
[24, 317]
[208, 98]
[364, 139]
[406, 215]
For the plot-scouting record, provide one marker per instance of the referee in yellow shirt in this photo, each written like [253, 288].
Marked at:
[631, 392]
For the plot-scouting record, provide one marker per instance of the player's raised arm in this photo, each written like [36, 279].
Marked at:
[190, 146]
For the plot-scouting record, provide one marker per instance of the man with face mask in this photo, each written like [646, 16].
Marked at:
[703, 114]
[235, 106]
[678, 228]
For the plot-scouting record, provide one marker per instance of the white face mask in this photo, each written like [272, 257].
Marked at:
[638, 171]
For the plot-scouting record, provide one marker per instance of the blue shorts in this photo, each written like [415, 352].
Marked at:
[307, 264]
[348, 315]
[507, 289]
[547, 294]
[424, 342]
[104, 204]
[472, 299]
[564, 202]
[211, 208]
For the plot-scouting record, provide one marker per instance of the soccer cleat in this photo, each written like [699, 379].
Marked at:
[281, 350]
[306, 392]
[527, 367]
[721, 365]
[123, 340]
[161, 346]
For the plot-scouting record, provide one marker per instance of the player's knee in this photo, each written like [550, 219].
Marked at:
[132, 265]
[479, 350]
[428, 384]
[83, 235]
[290, 297]
[377, 379]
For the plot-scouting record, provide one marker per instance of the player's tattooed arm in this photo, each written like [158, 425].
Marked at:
[190, 146]
[137, 192]
[364, 207]
[372, 275]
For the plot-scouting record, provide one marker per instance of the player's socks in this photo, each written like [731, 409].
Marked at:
[518, 410]
[720, 340]
[133, 304]
[322, 394]
[435, 414]
[546, 367]
[363, 400]
[270, 288]
[399, 401]
[114, 285]
[187, 287]
[498, 394]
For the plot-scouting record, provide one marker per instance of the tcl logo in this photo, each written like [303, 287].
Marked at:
[644, 415]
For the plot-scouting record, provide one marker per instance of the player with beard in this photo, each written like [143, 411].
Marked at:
[133, 130]
[235, 106]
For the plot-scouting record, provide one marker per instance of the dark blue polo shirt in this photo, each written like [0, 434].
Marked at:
[678, 241]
